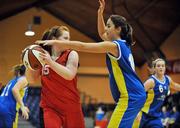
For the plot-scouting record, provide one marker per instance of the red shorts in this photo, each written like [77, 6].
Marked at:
[53, 119]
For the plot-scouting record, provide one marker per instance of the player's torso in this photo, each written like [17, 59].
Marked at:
[56, 89]
[7, 96]
[122, 72]
[157, 95]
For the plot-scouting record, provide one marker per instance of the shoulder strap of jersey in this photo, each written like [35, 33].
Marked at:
[167, 79]
[153, 77]
[65, 54]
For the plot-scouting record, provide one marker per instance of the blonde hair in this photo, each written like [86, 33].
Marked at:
[155, 62]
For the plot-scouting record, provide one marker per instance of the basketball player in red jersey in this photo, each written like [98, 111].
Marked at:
[59, 96]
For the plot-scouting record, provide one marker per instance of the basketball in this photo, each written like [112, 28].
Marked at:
[30, 57]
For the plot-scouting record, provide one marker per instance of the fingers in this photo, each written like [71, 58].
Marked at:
[102, 2]
[27, 109]
[40, 42]
[45, 57]
[44, 51]
[42, 56]
[26, 116]
[25, 112]
[44, 42]
[101, 6]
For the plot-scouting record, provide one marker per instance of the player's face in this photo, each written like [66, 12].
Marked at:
[65, 36]
[111, 30]
[160, 67]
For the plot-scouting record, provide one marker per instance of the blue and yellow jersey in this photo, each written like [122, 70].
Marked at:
[7, 98]
[124, 82]
[156, 96]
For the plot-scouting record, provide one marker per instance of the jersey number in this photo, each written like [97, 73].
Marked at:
[6, 90]
[160, 88]
[45, 70]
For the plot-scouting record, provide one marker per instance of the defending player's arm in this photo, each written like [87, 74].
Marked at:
[174, 85]
[149, 84]
[101, 47]
[22, 83]
[69, 71]
[100, 21]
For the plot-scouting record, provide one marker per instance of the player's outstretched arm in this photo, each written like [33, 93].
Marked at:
[174, 85]
[21, 83]
[100, 20]
[100, 47]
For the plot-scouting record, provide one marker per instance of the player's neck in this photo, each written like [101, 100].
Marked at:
[116, 38]
[159, 77]
[55, 55]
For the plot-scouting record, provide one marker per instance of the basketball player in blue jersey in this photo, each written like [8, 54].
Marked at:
[157, 87]
[126, 88]
[11, 95]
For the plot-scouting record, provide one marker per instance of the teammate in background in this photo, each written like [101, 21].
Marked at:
[127, 89]
[157, 87]
[13, 93]
[60, 98]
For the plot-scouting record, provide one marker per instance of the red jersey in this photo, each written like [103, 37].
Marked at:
[57, 92]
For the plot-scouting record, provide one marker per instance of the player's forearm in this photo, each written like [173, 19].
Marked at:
[17, 96]
[92, 47]
[177, 86]
[101, 25]
[61, 70]
[78, 46]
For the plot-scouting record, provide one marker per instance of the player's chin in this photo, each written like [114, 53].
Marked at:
[161, 72]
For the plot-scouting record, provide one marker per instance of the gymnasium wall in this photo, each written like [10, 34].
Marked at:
[171, 48]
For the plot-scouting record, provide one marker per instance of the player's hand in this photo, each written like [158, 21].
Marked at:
[25, 112]
[25, 49]
[101, 6]
[45, 42]
[45, 57]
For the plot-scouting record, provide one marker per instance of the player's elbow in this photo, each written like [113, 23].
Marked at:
[69, 77]
[14, 90]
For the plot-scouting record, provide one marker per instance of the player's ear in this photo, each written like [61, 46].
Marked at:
[118, 29]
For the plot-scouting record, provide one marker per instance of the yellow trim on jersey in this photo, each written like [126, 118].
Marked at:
[123, 101]
[15, 124]
[137, 121]
[149, 100]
